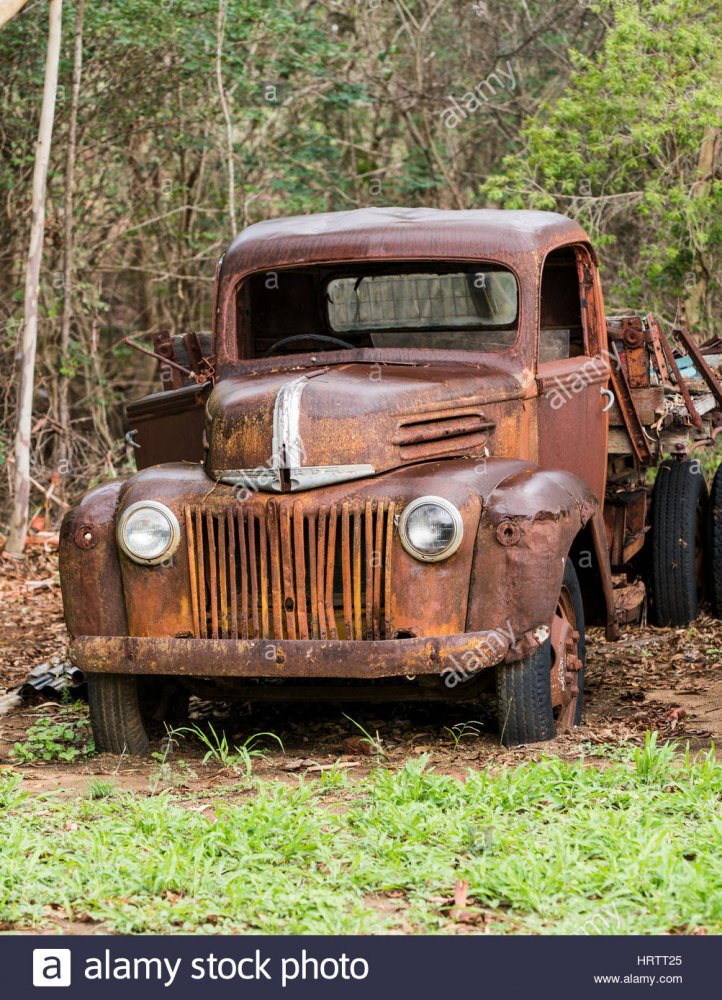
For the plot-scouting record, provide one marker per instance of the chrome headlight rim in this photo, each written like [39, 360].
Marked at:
[173, 524]
[456, 517]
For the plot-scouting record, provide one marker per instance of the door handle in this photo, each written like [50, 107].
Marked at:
[610, 396]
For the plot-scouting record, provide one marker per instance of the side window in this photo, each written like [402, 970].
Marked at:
[561, 334]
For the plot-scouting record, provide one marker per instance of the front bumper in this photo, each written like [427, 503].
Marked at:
[245, 658]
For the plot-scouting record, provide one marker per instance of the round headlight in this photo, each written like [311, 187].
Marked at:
[431, 528]
[148, 532]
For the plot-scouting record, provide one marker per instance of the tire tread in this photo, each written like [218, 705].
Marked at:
[115, 714]
[677, 492]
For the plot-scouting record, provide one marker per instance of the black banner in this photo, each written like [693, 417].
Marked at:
[408, 968]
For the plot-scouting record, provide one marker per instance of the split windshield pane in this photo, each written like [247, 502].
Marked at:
[473, 310]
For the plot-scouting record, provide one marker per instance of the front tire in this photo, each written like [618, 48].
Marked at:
[543, 694]
[123, 706]
[115, 714]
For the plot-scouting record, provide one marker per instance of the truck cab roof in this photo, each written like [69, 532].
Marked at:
[397, 233]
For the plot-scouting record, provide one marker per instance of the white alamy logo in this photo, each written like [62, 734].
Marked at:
[51, 967]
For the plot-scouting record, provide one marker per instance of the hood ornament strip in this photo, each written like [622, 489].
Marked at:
[285, 472]
[287, 449]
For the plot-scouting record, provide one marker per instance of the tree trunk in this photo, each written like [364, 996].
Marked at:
[21, 493]
[220, 28]
[9, 8]
[64, 387]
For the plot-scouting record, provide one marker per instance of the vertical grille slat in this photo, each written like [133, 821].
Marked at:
[321, 570]
[212, 573]
[289, 594]
[346, 571]
[369, 526]
[357, 607]
[200, 565]
[388, 633]
[284, 572]
[192, 571]
[222, 580]
[299, 551]
[330, 563]
[253, 566]
[232, 573]
[276, 597]
[243, 570]
[378, 549]
[312, 572]
[263, 547]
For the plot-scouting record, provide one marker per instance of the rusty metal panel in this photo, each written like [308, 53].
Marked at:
[484, 582]
[168, 426]
[93, 599]
[629, 335]
[632, 422]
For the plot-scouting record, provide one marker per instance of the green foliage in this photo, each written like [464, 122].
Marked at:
[221, 751]
[653, 762]
[63, 738]
[464, 731]
[620, 149]
[101, 789]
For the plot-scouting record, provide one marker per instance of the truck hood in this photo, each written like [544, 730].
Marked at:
[290, 431]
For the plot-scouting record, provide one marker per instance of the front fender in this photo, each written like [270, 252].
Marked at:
[90, 577]
[528, 524]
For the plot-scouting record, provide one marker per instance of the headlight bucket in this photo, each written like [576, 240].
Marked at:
[148, 532]
[431, 528]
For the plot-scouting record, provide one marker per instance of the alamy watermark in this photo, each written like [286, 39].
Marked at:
[459, 109]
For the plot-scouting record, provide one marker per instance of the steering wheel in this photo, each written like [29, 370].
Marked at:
[336, 341]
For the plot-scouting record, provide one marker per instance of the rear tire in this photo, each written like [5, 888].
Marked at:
[679, 505]
[543, 694]
[115, 714]
[714, 544]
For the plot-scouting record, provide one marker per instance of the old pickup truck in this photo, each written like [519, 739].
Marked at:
[414, 455]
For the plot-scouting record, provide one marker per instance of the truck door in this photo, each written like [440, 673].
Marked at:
[572, 368]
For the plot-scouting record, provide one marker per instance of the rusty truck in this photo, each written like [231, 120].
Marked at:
[413, 456]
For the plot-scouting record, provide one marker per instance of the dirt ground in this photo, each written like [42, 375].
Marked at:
[664, 679]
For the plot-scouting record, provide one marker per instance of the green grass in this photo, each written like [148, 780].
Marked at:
[548, 847]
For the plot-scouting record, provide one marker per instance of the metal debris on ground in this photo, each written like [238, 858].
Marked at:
[51, 680]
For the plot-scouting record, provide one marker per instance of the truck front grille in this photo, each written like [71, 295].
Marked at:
[282, 572]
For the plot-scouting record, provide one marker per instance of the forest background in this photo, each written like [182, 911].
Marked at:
[179, 122]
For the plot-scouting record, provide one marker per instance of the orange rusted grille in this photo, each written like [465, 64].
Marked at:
[287, 573]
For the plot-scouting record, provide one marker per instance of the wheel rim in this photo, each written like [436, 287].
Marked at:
[566, 663]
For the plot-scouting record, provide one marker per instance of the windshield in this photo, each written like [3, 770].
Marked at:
[458, 307]
[426, 309]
